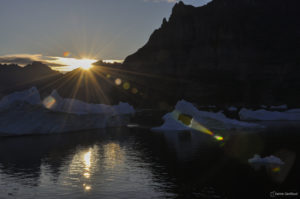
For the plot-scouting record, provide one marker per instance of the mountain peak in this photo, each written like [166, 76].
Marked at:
[230, 45]
[38, 66]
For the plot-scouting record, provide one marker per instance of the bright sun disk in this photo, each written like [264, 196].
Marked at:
[73, 63]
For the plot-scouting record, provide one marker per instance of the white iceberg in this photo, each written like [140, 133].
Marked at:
[266, 161]
[27, 114]
[31, 96]
[264, 115]
[55, 102]
[199, 120]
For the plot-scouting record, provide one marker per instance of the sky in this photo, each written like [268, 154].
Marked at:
[91, 29]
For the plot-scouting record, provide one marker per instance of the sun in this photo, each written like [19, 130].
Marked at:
[73, 63]
[86, 64]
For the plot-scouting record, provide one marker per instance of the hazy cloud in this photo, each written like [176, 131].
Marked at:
[25, 59]
[20, 59]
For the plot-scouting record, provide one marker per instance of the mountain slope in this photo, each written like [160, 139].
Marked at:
[243, 52]
[14, 77]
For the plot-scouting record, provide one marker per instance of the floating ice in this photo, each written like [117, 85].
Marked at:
[266, 161]
[264, 115]
[31, 96]
[23, 113]
[55, 102]
[280, 107]
[199, 119]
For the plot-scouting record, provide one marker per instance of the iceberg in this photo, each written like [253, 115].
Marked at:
[186, 116]
[232, 108]
[280, 107]
[55, 102]
[31, 96]
[24, 113]
[264, 115]
[266, 161]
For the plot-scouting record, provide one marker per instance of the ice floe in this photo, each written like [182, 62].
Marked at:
[55, 102]
[31, 96]
[264, 115]
[186, 116]
[266, 161]
[280, 107]
[24, 113]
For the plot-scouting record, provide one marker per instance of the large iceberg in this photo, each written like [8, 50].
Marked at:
[55, 102]
[264, 115]
[25, 113]
[30, 96]
[186, 116]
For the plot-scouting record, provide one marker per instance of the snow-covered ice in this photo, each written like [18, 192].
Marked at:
[205, 119]
[264, 115]
[24, 113]
[266, 161]
[55, 102]
[31, 96]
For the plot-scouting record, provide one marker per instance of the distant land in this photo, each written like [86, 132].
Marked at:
[228, 52]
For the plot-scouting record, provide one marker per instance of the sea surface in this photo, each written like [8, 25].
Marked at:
[134, 162]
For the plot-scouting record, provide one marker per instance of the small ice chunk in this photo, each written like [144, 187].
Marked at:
[232, 108]
[280, 107]
[266, 161]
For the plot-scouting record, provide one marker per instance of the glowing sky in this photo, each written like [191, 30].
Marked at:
[95, 29]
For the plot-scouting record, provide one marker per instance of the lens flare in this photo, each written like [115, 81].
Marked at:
[126, 85]
[134, 90]
[218, 137]
[197, 126]
[118, 81]
[67, 54]
[193, 124]
[276, 169]
[49, 101]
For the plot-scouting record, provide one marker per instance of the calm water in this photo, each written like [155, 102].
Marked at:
[137, 163]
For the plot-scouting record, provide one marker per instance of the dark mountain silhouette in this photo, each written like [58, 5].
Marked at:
[14, 77]
[242, 52]
[97, 85]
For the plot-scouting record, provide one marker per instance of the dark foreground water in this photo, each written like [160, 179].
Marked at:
[138, 163]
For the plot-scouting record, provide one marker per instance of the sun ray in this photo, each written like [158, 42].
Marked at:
[103, 77]
[98, 87]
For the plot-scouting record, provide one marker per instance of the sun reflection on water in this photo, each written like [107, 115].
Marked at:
[87, 159]
[114, 155]
[89, 164]
[83, 166]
